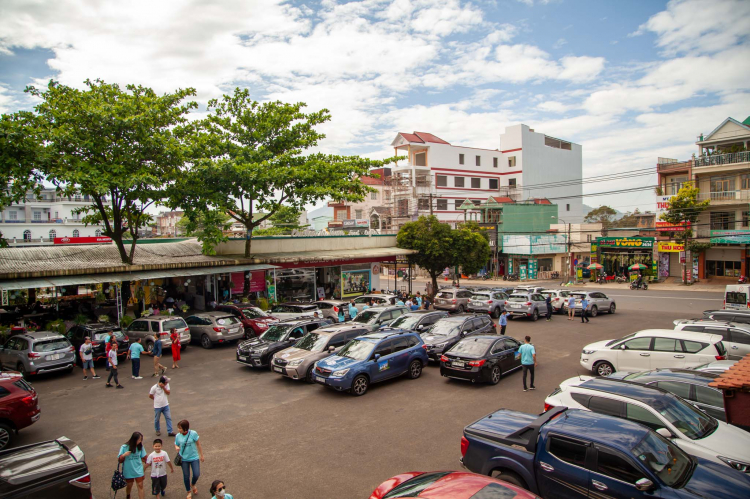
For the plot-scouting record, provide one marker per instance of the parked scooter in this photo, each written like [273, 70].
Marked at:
[742, 280]
[601, 278]
[486, 277]
[621, 278]
[636, 285]
[510, 277]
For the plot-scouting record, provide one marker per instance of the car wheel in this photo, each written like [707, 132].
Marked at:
[594, 311]
[612, 308]
[415, 369]
[510, 477]
[460, 309]
[495, 313]
[603, 369]
[535, 315]
[149, 346]
[6, 435]
[495, 375]
[360, 385]
[206, 342]
[21, 369]
[309, 377]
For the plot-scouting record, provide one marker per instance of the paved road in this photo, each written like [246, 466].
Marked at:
[274, 438]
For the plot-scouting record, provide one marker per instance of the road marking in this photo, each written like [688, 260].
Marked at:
[668, 297]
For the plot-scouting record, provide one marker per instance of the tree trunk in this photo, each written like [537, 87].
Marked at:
[117, 238]
[248, 243]
[433, 275]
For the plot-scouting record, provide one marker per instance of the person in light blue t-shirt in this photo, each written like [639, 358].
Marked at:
[527, 353]
[584, 309]
[352, 310]
[132, 456]
[571, 307]
[219, 490]
[187, 444]
[134, 354]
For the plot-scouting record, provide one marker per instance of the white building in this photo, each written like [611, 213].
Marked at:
[362, 210]
[437, 177]
[166, 223]
[38, 220]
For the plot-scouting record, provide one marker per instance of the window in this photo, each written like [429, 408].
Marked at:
[357, 213]
[12, 215]
[567, 207]
[57, 214]
[27, 235]
[38, 215]
[458, 203]
[511, 182]
[616, 467]
[400, 344]
[98, 233]
[721, 331]
[644, 416]
[385, 348]
[511, 161]
[667, 345]
[693, 346]
[458, 181]
[387, 195]
[52, 234]
[423, 204]
[479, 161]
[638, 344]
[740, 337]
[567, 450]
[493, 183]
[374, 196]
[708, 396]
[494, 162]
[460, 159]
[420, 159]
[139, 326]
[77, 197]
[606, 406]
[476, 183]
[722, 220]
[76, 233]
[442, 181]
[588, 238]
[442, 204]
[680, 389]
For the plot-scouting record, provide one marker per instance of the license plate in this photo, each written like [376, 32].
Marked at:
[55, 356]
[320, 379]
[277, 369]
[513, 305]
[257, 362]
[242, 358]
[457, 363]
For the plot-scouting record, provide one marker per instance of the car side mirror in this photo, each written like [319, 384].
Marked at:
[644, 484]
[377, 357]
[623, 347]
[420, 327]
[463, 334]
[331, 348]
[664, 433]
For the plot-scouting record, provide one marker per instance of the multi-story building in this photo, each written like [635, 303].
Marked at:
[365, 209]
[166, 223]
[437, 177]
[39, 219]
[721, 170]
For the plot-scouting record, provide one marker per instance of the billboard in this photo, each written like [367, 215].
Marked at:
[356, 223]
[535, 245]
[740, 236]
[662, 206]
[82, 240]
[624, 242]
[670, 247]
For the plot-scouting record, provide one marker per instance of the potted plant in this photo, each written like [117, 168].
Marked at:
[103, 318]
[184, 308]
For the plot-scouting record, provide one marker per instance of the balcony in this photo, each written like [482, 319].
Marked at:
[674, 166]
[723, 159]
[725, 197]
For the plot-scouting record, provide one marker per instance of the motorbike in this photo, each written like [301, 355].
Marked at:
[486, 277]
[635, 285]
[742, 280]
[621, 278]
[601, 278]
[510, 277]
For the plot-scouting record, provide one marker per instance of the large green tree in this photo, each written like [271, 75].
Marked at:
[208, 226]
[603, 215]
[122, 148]
[255, 157]
[284, 221]
[684, 209]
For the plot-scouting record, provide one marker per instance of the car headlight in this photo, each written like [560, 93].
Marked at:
[295, 363]
[440, 345]
[588, 352]
[340, 373]
[738, 465]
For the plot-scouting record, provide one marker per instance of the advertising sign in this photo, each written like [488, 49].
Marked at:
[257, 281]
[356, 223]
[662, 206]
[625, 242]
[535, 245]
[740, 236]
[669, 247]
[355, 282]
[82, 240]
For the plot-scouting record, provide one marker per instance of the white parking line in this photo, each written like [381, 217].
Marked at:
[668, 297]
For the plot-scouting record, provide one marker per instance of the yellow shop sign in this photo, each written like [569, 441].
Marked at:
[670, 247]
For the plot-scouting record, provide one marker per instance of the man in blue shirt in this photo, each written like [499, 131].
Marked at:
[503, 321]
[419, 300]
[571, 307]
[352, 310]
[156, 352]
[528, 361]
[584, 307]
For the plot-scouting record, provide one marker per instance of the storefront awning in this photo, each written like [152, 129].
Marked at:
[338, 256]
[74, 280]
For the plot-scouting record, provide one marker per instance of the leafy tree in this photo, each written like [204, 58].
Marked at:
[684, 208]
[629, 219]
[284, 221]
[120, 147]
[209, 226]
[471, 249]
[603, 215]
[251, 158]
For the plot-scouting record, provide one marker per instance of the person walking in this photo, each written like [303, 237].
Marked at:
[158, 394]
[157, 353]
[419, 300]
[176, 348]
[219, 491]
[188, 445]
[87, 358]
[107, 345]
[528, 361]
[571, 307]
[158, 460]
[134, 354]
[503, 321]
[584, 307]
[352, 310]
[341, 313]
[113, 367]
[132, 456]
[548, 302]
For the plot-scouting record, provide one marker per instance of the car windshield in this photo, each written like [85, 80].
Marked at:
[312, 342]
[51, 345]
[357, 350]
[480, 297]
[406, 321]
[518, 298]
[227, 320]
[445, 294]
[253, 312]
[101, 336]
[275, 333]
[366, 317]
[472, 347]
[693, 423]
[664, 458]
[446, 328]
[173, 323]
[578, 296]
[612, 342]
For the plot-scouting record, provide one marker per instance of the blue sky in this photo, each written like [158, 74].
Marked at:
[630, 81]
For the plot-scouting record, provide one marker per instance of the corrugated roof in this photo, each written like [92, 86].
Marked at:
[736, 377]
[423, 137]
[747, 121]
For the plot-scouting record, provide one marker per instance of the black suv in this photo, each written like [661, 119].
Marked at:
[419, 320]
[258, 352]
[54, 469]
[97, 332]
[448, 331]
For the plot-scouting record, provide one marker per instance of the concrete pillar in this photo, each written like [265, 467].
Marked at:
[702, 265]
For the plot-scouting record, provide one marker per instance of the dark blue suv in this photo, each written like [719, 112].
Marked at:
[372, 358]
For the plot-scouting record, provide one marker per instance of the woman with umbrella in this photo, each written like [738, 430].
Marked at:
[639, 281]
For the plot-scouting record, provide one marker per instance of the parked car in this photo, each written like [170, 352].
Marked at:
[651, 349]
[37, 353]
[19, 407]
[284, 311]
[330, 309]
[419, 320]
[739, 316]
[297, 361]
[452, 299]
[149, 328]
[491, 302]
[483, 359]
[530, 305]
[715, 367]
[53, 469]
[448, 485]
[371, 359]
[254, 320]
[448, 331]
[98, 332]
[558, 298]
[691, 429]
[598, 302]
[736, 337]
[376, 317]
[211, 328]
[736, 297]
[258, 352]
[689, 384]
[571, 453]
[523, 289]
[377, 299]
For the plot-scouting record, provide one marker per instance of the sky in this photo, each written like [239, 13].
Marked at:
[629, 81]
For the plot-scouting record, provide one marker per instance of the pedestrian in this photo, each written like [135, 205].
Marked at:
[316, 315]
[367, 305]
[571, 307]
[134, 354]
[548, 301]
[399, 301]
[158, 394]
[341, 313]
[176, 347]
[419, 300]
[528, 361]
[157, 352]
[218, 490]
[107, 338]
[191, 452]
[426, 303]
[352, 310]
[158, 460]
[584, 307]
[408, 303]
[132, 456]
[113, 367]
[87, 358]
[503, 321]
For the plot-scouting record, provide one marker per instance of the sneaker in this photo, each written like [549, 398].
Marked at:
[132, 377]
[172, 434]
[120, 386]
[532, 388]
[95, 377]
[525, 390]
[154, 375]
[137, 377]
[108, 385]
[85, 378]
[158, 433]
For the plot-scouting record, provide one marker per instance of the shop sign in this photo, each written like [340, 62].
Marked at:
[82, 240]
[625, 242]
[535, 245]
[668, 247]
[322, 233]
[740, 236]
[662, 207]
[257, 281]
[357, 223]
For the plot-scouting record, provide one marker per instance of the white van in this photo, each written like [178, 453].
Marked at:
[737, 297]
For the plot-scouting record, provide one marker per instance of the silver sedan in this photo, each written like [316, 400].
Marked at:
[598, 302]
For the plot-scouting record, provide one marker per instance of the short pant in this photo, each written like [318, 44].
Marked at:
[88, 364]
[158, 484]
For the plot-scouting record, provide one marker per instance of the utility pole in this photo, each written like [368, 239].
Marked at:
[570, 254]
[430, 204]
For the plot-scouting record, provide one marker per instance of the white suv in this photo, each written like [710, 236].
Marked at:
[693, 430]
[652, 349]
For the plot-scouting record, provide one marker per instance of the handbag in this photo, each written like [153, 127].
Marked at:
[118, 480]
[178, 458]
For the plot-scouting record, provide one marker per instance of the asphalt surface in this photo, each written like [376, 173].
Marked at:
[271, 437]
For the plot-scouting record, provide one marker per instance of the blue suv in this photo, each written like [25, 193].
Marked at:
[372, 358]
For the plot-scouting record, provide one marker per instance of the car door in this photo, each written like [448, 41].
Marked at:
[561, 468]
[634, 355]
[5, 352]
[710, 400]
[400, 356]
[614, 474]
[380, 369]
[468, 327]
[739, 344]
[512, 346]
[17, 353]
[501, 355]
[667, 352]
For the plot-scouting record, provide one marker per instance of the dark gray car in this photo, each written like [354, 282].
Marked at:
[38, 352]
[452, 299]
[376, 317]
[449, 331]
[419, 320]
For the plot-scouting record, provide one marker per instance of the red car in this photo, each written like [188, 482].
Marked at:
[253, 319]
[448, 485]
[19, 406]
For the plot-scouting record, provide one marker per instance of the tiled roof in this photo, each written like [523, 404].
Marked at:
[542, 201]
[736, 377]
[500, 199]
[423, 137]
[371, 180]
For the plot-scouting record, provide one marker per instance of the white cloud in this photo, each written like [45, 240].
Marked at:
[6, 100]
[559, 43]
[553, 107]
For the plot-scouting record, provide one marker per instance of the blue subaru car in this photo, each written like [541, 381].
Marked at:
[372, 358]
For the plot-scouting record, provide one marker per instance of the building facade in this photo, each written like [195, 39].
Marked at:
[365, 209]
[166, 223]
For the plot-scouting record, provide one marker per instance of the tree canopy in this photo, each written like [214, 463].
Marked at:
[208, 226]
[684, 209]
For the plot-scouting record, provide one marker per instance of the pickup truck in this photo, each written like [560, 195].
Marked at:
[570, 453]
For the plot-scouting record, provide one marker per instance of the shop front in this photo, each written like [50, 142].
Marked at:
[336, 281]
[728, 258]
[533, 257]
[669, 259]
[617, 254]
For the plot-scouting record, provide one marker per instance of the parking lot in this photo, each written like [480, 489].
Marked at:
[271, 437]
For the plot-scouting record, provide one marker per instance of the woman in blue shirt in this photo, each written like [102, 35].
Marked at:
[219, 490]
[132, 456]
[187, 444]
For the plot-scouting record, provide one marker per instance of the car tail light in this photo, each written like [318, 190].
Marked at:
[163, 333]
[83, 482]
[464, 446]
[454, 301]
[336, 309]
[547, 407]
[219, 329]
[71, 349]
[28, 400]
[490, 303]
[477, 363]
[528, 303]
[126, 339]
[34, 355]
[443, 358]
[425, 346]
[721, 357]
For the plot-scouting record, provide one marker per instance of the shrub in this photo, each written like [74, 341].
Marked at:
[126, 320]
[81, 319]
[184, 308]
[103, 318]
[57, 326]
[263, 304]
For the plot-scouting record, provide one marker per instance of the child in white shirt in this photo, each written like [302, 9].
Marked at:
[158, 460]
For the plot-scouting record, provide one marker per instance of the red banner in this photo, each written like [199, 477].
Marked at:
[257, 282]
[82, 240]
[661, 225]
